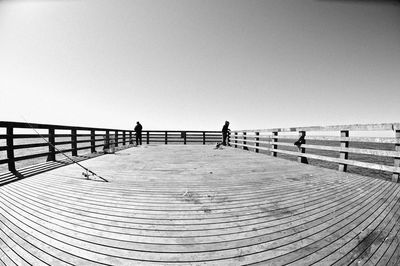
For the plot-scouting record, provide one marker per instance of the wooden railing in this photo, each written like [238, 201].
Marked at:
[281, 141]
[17, 137]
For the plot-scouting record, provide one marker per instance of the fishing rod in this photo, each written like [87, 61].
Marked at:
[69, 158]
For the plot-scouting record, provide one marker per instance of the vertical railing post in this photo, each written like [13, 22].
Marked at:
[302, 159]
[204, 138]
[130, 137]
[107, 142]
[273, 145]
[236, 134]
[257, 139]
[244, 141]
[344, 143]
[52, 150]
[184, 137]
[123, 138]
[74, 144]
[10, 149]
[116, 138]
[92, 141]
[396, 175]
[148, 137]
[166, 137]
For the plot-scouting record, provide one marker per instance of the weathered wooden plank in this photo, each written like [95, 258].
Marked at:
[9, 256]
[32, 254]
[194, 205]
[145, 209]
[139, 243]
[379, 256]
[340, 228]
[381, 239]
[235, 234]
[16, 254]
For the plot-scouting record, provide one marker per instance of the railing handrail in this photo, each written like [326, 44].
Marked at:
[179, 131]
[271, 143]
[63, 127]
[59, 127]
[96, 137]
[351, 127]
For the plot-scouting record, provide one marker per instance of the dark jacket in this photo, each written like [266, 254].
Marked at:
[225, 129]
[138, 128]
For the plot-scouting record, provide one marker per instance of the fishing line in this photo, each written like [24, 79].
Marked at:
[88, 171]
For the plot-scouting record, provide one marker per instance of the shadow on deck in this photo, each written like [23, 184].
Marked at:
[197, 205]
[8, 177]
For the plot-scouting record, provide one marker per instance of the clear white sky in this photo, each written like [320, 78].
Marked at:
[189, 64]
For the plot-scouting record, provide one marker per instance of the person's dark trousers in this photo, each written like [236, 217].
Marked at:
[224, 136]
[139, 139]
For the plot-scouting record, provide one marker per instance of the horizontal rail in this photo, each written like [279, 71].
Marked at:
[384, 153]
[354, 127]
[370, 149]
[53, 139]
[333, 138]
[330, 159]
[5, 124]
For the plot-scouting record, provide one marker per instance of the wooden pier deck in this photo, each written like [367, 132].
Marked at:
[194, 205]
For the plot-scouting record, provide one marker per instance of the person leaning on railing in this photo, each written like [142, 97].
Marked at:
[225, 133]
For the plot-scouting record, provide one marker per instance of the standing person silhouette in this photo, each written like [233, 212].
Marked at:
[138, 131]
[225, 132]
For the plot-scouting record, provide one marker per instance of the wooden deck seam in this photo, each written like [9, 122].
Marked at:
[281, 257]
[24, 242]
[316, 189]
[130, 200]
[387, 230]
[358, 243]
[45, 245]
[266, 217]
[284, 186]
[329, 251]
[5, 257]
[391, 246]
[227, 207]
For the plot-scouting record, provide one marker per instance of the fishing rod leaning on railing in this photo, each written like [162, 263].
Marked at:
[87, 172]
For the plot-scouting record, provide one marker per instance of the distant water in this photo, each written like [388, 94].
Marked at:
[351, 169]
